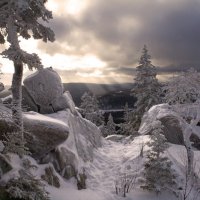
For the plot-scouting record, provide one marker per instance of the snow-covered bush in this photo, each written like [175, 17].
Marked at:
[158, 172]
[26, 186]
[125, 183]
[14, 144]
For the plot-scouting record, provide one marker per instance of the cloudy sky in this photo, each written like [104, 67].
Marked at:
[101, 40]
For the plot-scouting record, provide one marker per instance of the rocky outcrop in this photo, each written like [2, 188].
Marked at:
[50, 177]
[68, 158]
[170, 119]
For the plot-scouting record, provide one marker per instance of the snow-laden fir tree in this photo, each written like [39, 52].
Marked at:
[127, 128]
[183, 88]
[110, 127]
[147, 89]
[158, 173]
[90, 108]
[22, 18]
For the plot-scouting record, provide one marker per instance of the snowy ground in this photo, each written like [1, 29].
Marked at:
[111, 160]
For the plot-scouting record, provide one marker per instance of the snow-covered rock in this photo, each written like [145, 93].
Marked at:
[64, 101]
[69, 157]
[27, 101]
[45, 89]
[43, 133]
[115, 138]
[5, 165]
[170, 120]
[44, 86]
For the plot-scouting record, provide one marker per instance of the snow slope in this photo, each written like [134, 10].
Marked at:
[110, 161]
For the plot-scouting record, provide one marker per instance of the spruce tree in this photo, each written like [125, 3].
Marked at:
[90, 108]
[110, 128]
[147, 89]
[158, 173]
[126, 128]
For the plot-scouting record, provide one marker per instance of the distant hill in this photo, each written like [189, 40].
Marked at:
[115, 94]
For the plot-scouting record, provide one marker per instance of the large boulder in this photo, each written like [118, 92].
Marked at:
[42, 133]
[44, 87]
[170, 119]
[28, 102]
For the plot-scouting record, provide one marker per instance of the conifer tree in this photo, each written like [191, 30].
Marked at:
[22, 18]
[127, 126]
[90, 108]
[110, 128]
[147, 89]
[158, 173]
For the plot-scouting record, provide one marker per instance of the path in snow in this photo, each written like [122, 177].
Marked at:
[109, 161]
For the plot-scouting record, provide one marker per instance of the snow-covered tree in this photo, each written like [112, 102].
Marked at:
[110, 127]
[22, 19]
[158, 174]
[127, 128]
[180, 91]
[26, 186]
[183, 88]
[90, 108]
[147, 89]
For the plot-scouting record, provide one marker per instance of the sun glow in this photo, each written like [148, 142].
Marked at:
[63, 62]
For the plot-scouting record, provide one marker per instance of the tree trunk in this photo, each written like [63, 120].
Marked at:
[17, 97]
[187, 132]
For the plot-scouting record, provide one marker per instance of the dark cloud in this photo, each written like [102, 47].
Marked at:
[116, 30]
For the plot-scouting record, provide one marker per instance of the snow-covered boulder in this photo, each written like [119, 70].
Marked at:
[43, 133]
[170, 120]
[27, 101]
[44, 86]
[44, 92]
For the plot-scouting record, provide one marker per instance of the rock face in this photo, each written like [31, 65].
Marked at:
[68, 158]
[5, 165]
[170, 120]
[43, 92]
